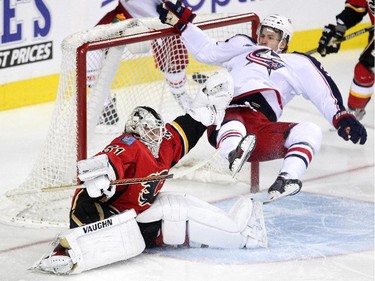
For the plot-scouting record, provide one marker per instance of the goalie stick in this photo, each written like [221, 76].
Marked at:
[138, 180]
[114, 182]
[347, 37]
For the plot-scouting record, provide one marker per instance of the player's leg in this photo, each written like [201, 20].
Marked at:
[189, 221]
[109, 114]
[235, 144]
[302, 141]
[234, 140]
[362, 89]
[296, 143]
[171, 58]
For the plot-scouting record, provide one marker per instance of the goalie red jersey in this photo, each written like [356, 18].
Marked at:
[131, 158]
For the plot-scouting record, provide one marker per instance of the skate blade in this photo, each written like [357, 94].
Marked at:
[247, 150]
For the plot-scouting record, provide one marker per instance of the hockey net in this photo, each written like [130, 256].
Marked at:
[114, 60]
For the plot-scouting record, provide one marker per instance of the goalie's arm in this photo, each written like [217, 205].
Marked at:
[189, 131]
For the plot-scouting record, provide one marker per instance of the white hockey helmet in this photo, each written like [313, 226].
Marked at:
[278, 22]
[148, 126]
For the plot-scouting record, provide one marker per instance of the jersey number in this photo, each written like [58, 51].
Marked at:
[115, 149]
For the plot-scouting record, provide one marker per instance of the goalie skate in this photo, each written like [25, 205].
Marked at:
[58, 262]
[358, 113]
[283, 187]
[241, 154]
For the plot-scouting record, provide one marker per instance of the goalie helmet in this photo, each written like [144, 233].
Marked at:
[280, 23]
[148, 126]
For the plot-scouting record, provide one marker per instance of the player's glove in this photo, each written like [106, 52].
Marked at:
[175, 15]
[349, 128]
[96, 173]
[328, 42]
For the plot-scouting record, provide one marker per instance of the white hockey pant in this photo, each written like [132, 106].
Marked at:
[303, 143]
[305, 132]
[229, 136]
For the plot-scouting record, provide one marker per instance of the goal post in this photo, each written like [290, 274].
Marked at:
[107, 71]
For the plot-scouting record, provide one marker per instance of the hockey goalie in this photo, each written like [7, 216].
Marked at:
[111, 223]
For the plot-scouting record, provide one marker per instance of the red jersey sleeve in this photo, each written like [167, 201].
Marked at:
[355, 11]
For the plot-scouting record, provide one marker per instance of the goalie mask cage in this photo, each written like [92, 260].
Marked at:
[115, 60]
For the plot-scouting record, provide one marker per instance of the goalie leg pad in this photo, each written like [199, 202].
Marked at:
[247, 228]
[114, 239]
[172, 210]
[104, 242]
[186, 217]
[200, 234]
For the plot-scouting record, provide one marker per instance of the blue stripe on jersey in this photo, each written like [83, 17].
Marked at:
[335, 90]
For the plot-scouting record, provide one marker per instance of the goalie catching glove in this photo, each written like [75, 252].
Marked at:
[175, 15]
[96, 173]
[211, 102]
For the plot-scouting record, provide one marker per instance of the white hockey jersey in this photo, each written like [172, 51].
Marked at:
[258, 69]
[141, 8]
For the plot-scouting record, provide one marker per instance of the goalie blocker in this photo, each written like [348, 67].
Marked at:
[185, 220]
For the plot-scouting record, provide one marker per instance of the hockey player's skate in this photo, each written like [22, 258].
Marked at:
[257, 233]
[241, 154]
[109, 114]
[283, 187]
[56, 262]
[358, 113]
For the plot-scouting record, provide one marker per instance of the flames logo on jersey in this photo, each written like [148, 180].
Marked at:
[267, 58]
[150, 190]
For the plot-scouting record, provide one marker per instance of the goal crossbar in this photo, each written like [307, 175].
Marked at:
[146, 36]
